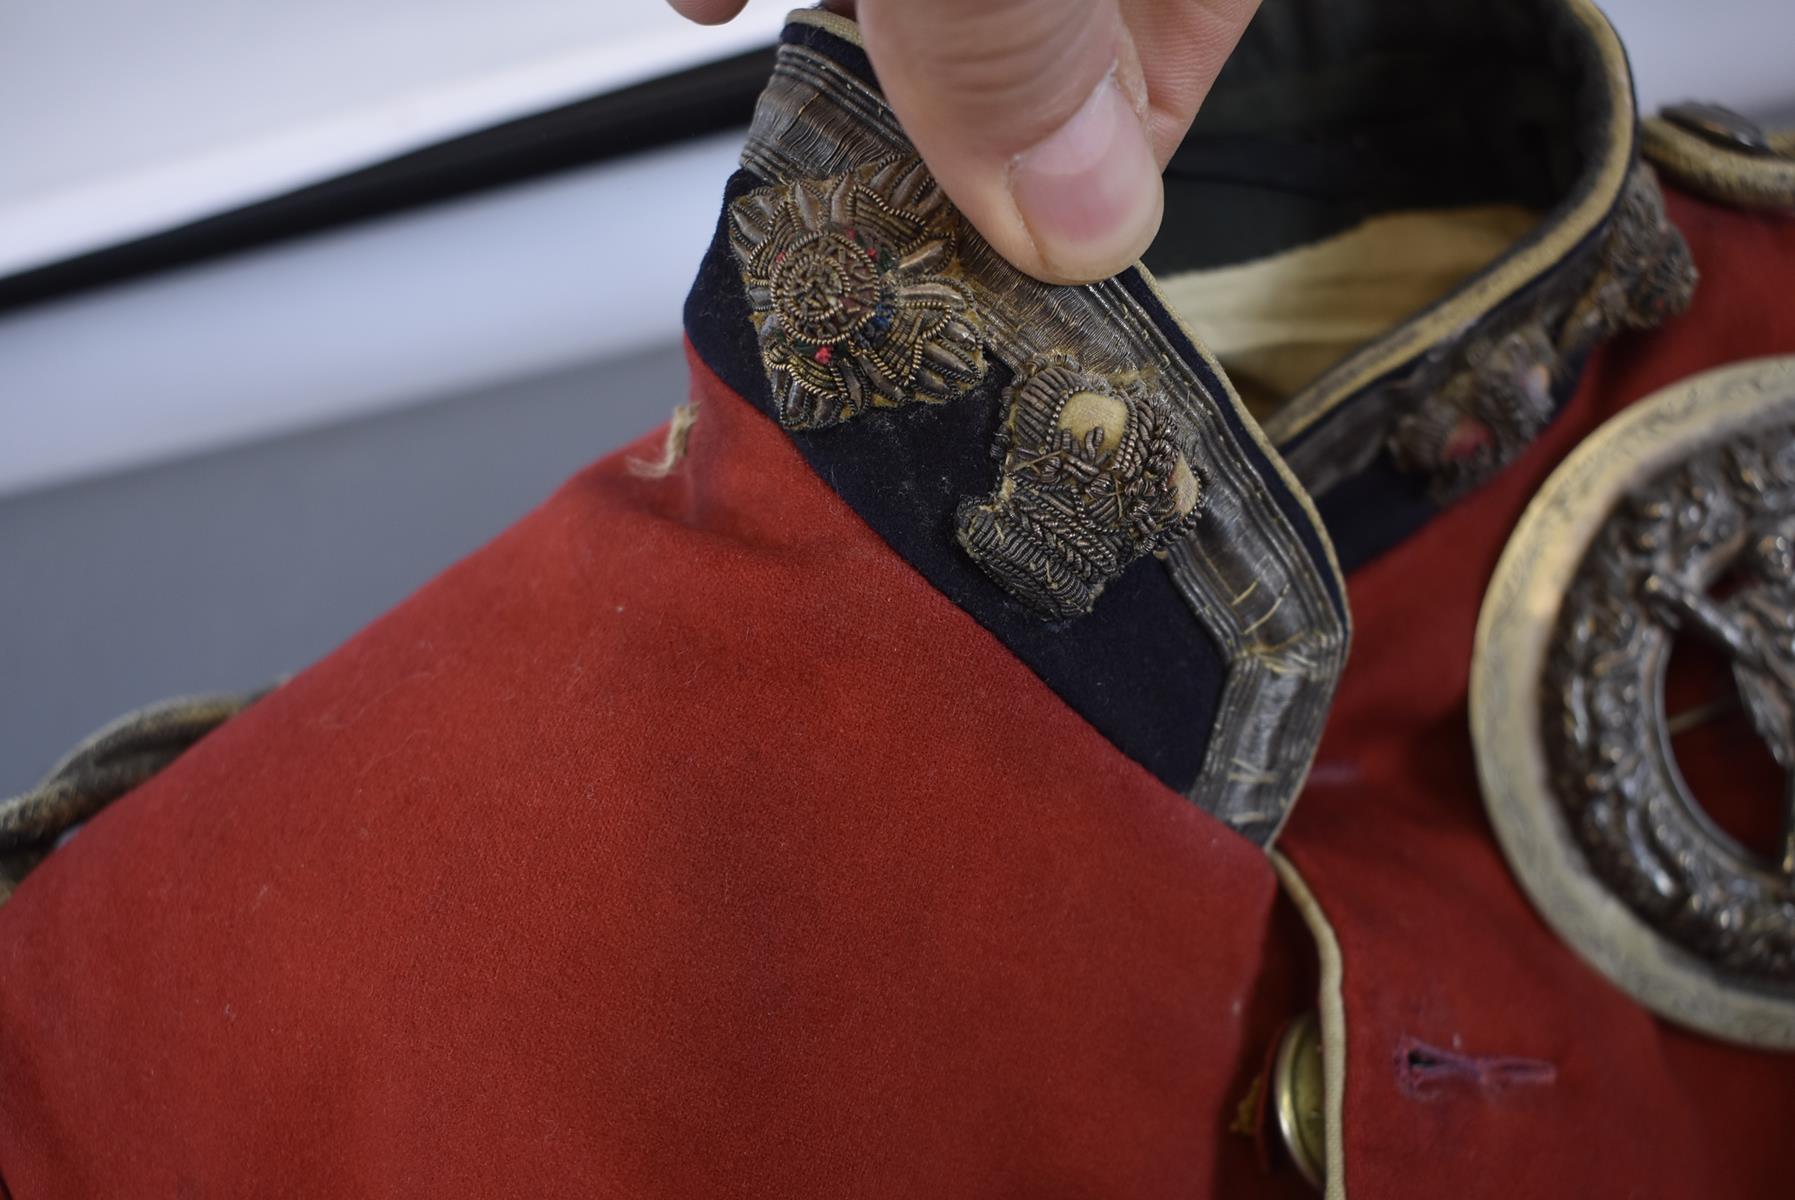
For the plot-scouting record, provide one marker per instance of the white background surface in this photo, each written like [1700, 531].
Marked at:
[122, 117]
[577, 268]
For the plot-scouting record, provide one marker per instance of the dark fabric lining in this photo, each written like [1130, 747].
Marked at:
[839, 51]
[1380, 507]
[1328, 114]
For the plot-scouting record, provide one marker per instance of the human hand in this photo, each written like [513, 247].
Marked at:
[1047, 122]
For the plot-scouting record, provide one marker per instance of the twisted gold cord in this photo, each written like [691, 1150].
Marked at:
[121, 756]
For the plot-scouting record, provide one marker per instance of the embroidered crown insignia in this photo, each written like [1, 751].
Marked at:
[856, 292]
[1092, 478]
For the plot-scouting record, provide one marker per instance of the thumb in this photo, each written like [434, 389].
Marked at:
[1033, 116]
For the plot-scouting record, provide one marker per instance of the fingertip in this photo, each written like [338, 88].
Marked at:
[708, 12]
[1032, 116]
[1089, 194]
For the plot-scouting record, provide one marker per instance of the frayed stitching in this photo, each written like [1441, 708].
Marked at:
[673, 450]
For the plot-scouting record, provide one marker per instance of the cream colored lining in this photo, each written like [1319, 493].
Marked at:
[1503, 279]
[1333, 1022]
[1277, 323]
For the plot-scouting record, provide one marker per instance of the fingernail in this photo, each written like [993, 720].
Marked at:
[1090, 192]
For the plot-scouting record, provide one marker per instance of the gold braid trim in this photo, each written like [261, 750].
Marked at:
[1761, 181]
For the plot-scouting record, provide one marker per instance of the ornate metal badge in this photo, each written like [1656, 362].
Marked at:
[1091, 479]
[855, 288]
[1675, 520]
[1483, 401]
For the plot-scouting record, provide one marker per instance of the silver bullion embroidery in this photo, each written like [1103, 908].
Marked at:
[1091, 479]
[1243, 569]
[855, 287]
[1481, 402]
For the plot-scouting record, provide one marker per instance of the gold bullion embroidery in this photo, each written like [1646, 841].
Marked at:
[1091, 479]
[855, 286]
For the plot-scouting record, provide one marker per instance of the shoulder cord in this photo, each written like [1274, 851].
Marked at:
[119, 757]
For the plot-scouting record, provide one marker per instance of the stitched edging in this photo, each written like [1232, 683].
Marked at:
[1333, 1021]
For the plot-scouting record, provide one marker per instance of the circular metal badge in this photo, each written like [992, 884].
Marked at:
[1675, 520]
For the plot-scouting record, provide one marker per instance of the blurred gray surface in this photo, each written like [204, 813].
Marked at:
[224, 571]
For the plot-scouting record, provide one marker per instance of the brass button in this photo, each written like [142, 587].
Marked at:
[1298, 1098]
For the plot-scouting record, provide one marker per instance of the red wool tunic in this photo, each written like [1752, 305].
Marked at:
[687, 841]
